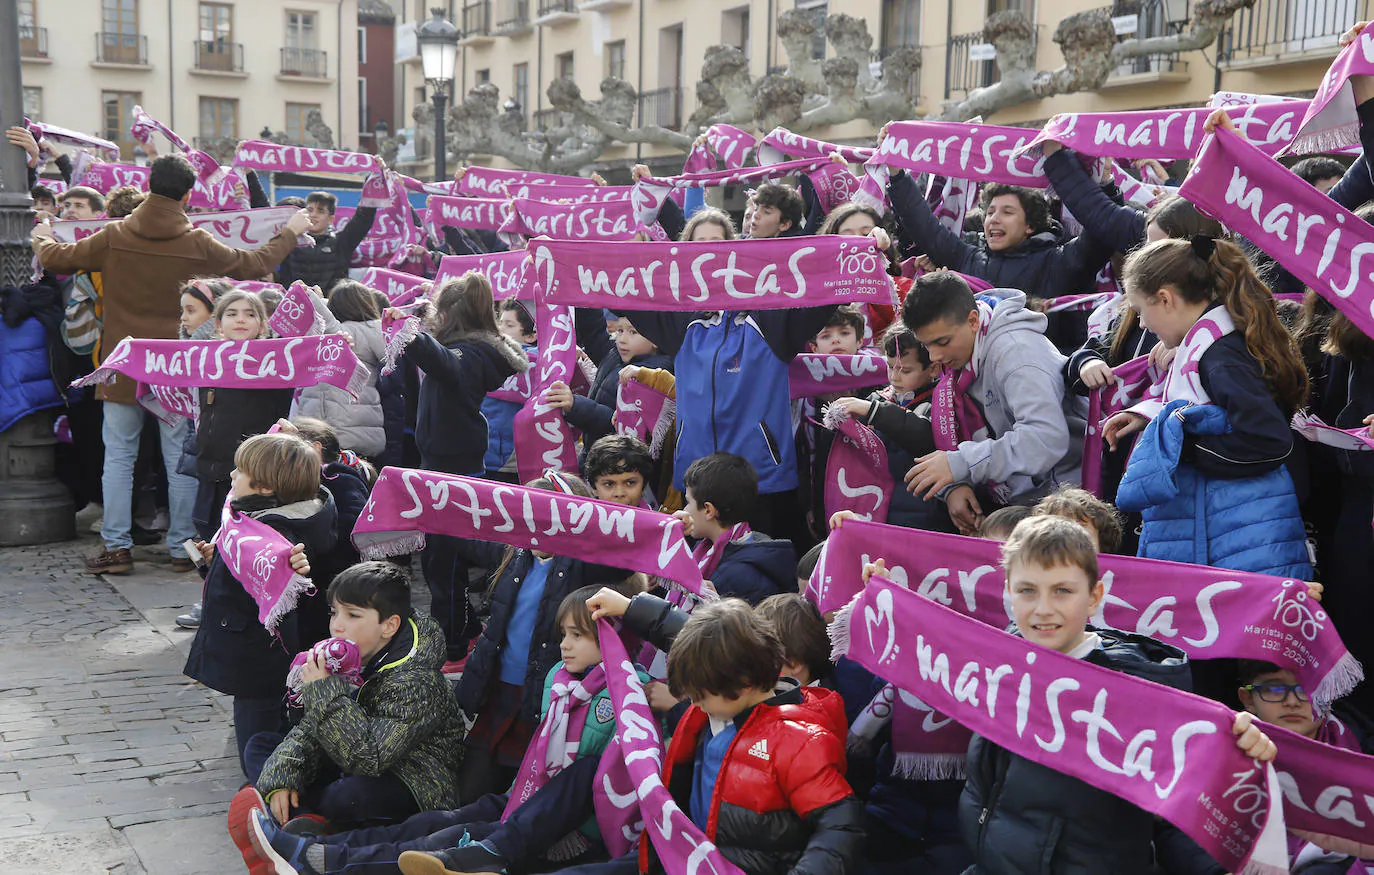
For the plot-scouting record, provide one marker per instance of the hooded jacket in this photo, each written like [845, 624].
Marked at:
[1034, 439]
[450, 430]
[1041, 266]
[781, 803]
[232, 652]
[1020, 818]
[402, 721]
[144, 259]
[755, 567]
[360, 424]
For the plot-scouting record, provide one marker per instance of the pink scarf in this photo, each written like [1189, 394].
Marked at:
[240, 229]
[397, 334]
[463, 212]
[261, 155]
[644, 413]
[987, 153]
[401, 288]
[605, 221]
[169, 404]
[43, 131]
[811, 373]
[259, 558]
[723, 141]
[543, 438]
[103, 175]
[1326, 791]
[494, 182]
[856, 474]
[955, 415]
[340, 658]
[578, 194]
[629, 783]
[207, 168]
[504, 270]
[1319, 241]
[708, 553]
[1181, 762]
[1130, 381]
[407, 504]
[730, 275]
[1209, 612]
[1164, 134]
[1183, 380]
[950, 200]
[825, 175]
[296, 315]
[1330, 122]
[276, 363]
[388, 241]
[926, 745]
[1314, 429]
[780, 144]
[554, 747]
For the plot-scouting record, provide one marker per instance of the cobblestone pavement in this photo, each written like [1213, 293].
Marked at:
[110, 759]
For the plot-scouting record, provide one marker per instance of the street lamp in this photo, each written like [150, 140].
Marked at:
[438, 42]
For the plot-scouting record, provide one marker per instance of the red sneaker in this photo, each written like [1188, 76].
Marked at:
[244, 802]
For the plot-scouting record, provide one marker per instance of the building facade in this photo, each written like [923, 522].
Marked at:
[209, 70]
[376, 70]
[1277, 47]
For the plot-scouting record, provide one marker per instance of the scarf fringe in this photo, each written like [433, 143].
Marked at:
[396, 343]
[667, 419]
[99, 376]
[930, 766]
[1334, 139]
[1336, 844]
[360, 379]
[839, 629]
[383, 547]
[1255, 867]
[834, 415]
[295, 588]
[1343, 677]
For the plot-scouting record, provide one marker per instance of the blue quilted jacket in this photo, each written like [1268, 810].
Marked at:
[26, 382]
[1245, 524]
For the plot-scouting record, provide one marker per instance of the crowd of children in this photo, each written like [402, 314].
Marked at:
[475, 736]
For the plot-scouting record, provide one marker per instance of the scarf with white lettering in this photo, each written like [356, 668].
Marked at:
[484, 214]
[544, 439]
[239, 229]
[856, 474]
[269, 363]
[297, 315]
[259, 558]
[402, 289]
[604, 221]
[555, 744]
[961, 150]
[1330, 122]
[1321, 243]
[1211, 613]
[1183, 380]
[504, 270]
[407, 504]
[955, 415]
[726, 142]
[207, 168]
[926, 745]
[645, 412]
[495, 182]
[775, 274]
[780, 144]
[339, 656]
[810, 374]
[1130, 381]
[1180, 759]
[1312, 427]
[44, 131]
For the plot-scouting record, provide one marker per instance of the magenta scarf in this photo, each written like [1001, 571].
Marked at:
[43, 131]
[393, 232]
[554, 747]
[544, 439]
[1181, 761]
[954, 414]
[239, 229]
[812, 373]
[833, 183]
[207, 168]
[604, 221]
[1165, 134]
[730, 275]
[1313, 428]
[578, 194]
[442, 211]
[987, 153]
[707, 554]
[644, 413]
[1319, 241]
[857, 478]
[1330, 122]
[169, 404]
[397, 334]
[296, 315]
[632, 777]
[726, 142]
[274, 158]
[340, 658]
[104, 176]
[926, 745]
[259, 558]
[1209, 612]
[276, 363]
[1130, 381]
[407, 504]
[494, 182]
[780, 144]
[504, 270]
[950, 200]
[401, 288]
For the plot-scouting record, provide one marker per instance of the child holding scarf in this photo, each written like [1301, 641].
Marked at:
[516, 323]
[1208, 473]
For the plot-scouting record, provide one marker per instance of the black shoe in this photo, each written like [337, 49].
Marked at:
[144, 537]
[470, 860]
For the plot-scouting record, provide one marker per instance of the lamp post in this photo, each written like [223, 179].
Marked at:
[438, 42]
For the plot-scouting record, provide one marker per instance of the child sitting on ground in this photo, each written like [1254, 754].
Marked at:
[575, 695]
[721, 490]
[378, 752]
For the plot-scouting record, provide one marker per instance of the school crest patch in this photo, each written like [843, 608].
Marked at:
[605, 711]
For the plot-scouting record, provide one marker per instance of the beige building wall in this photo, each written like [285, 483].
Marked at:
[1279, 47]
[227, 68]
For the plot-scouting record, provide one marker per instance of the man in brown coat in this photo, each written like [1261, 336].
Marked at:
[144, 259]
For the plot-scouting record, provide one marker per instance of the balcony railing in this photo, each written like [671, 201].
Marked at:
[33, 41]
[1153, 18]
[477, 19]
[219, 56]
[662, 107]
[962, 74]
[121, 48]
[553, 7]
[304, 62]
[512, 15]
[1272, 28]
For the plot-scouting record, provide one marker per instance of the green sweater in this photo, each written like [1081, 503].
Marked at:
[404, 720]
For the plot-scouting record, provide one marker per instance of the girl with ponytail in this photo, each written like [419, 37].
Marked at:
[1211, 460]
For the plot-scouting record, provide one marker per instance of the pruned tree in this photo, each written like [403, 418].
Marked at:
[810, 93]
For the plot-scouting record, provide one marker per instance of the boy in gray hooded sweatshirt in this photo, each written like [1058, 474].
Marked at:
[1001, 413]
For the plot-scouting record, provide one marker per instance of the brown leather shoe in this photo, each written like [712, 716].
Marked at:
[111, 562]
[181, 564]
